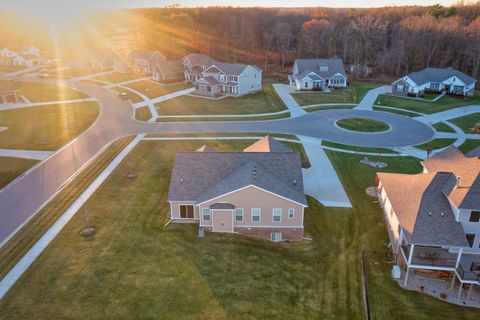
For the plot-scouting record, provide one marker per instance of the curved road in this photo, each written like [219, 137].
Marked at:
[21, 199]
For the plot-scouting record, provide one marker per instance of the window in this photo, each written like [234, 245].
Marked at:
[400, 88]
[434, 85]
[206, 214]
[186, 211]
[276, 236]
[233, 78]
[239, 214]
[306, 84]
[470, 239]
[255, 214]
[277, 215]
[399, 229]
[323, 69]
[474, 216]
[291, 213]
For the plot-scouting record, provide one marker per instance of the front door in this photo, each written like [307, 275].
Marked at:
[222, 220]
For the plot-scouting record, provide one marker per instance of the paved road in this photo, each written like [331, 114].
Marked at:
[20, 200]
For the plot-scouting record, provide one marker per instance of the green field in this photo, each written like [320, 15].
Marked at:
[362, 125]
[469, 145]
[400, 112]
[445, 103]
[467, 123]
[45, 92]
[354, 93]
[436, 144]
[135, 267]
[442, 127]
[153, 90]
[318, 108]
[10, 168]
[143, 114]
[265, 101]
[45, 127]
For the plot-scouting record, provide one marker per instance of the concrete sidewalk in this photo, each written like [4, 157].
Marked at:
[449, 114]
[284, 92]
[321, 180]
[371, 96]
[16, 272]
[162, 98]
[26, 154]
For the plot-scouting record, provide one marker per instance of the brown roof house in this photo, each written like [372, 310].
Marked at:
[433, 218]
[257, 192]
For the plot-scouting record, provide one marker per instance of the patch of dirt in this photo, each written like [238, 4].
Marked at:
[371, 191]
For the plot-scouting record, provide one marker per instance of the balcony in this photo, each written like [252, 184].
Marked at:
[430, 256]
[469, 267]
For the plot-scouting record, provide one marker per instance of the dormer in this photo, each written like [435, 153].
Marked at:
[323, 68]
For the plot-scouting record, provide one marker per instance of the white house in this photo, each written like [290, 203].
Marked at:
[228, 79]
[194, 64]
[28, 58]
[433, 218]
[317, 74]
[436, 80]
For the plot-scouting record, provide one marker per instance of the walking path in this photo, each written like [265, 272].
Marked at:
[162, 98]
[37, 104]
[371, 96]
[449, 114]
[284, 92]
[16, 272]
[26, 154]
[321, 180]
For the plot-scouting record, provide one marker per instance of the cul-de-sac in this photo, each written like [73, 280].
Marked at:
[223, 160]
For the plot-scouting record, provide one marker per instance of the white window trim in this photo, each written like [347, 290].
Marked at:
[204, 214]
[259, 214]
[279, 240]
[273, 214]
[243, 215]
[180, 210]
[291, 210]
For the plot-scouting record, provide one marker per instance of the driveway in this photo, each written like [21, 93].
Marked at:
[21, 199]
[371, 96]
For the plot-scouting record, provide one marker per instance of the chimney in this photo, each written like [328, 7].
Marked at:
[457, 185]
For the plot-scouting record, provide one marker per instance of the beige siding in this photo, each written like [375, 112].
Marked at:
[252, 197]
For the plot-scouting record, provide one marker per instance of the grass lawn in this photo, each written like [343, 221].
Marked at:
[153, 90]
[355, 148]
[143, 114]
[44, 92]
[259, 102]
[11, 68]
[118, 77]
[45, 127]
[318, 108]
[226, 134]
[467, 123]
[71, 73]
[10, 168]
[133, 97]
[354, 93]
[362, 125]
[436, 144]
[442, 127]
[469, 145]
[445, 103]
[400, 112]
[134, 267]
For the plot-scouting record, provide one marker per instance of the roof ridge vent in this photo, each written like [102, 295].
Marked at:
[441, 214]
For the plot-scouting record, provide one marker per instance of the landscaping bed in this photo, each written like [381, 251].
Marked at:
[362, 125]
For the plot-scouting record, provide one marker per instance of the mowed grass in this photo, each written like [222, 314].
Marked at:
[45, 92]
[153, 90]
[354, 93]
[319, 108]
[467, 123]
[445, 103]
[469, 145]
[442, 127]
[10, 168]
[134, 267]
[118, 77]
[45, 127]
[265, 101]
[143, 114]
[436, 144]
[133, 97]
[355, 148]
[362, 125]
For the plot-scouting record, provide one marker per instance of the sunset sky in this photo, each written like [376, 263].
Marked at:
[110, 4]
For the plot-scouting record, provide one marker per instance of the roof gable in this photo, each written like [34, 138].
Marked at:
[267, 144]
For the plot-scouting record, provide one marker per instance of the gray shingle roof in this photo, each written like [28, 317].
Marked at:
[201, 176]
[334, 65]
[413, 198]
[141, 54]
[169, 66]
[438, 75]
[200, 59]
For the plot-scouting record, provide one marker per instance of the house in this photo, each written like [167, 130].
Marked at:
[448, 80]
[228, 79]
[95, 60]
[168, 71]
[8, 92]
[433, 218]
[258, 192]
[194, 64]
[29, 57]
[122, 64]
[318, 74]
[144, 60]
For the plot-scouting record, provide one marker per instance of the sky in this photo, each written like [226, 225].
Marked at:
[69, 5]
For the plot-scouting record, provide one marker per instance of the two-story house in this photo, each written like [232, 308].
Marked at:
[145, 60]
[29, 57]
[97, 59]
[433, 218]
[194, 64]
[168, 71]
[437, 80]
[228, 79]
[318, 74]
[258, 192]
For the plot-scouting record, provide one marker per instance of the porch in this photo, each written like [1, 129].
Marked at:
[431, 257]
